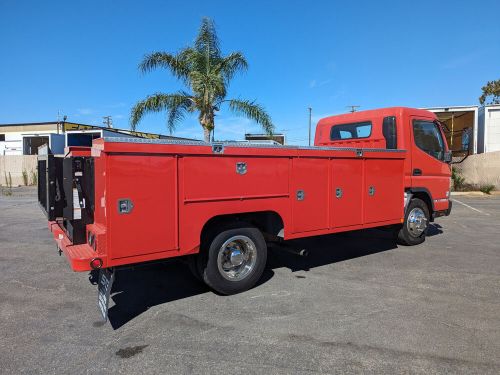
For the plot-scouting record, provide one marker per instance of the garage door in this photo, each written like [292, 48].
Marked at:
[493, 130]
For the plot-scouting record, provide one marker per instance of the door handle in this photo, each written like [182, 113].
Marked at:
[417, 172]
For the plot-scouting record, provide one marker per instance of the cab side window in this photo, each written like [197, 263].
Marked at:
[351, 131]
[428, 138]
[390, 133]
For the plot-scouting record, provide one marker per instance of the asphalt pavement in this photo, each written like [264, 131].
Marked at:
[358, 303]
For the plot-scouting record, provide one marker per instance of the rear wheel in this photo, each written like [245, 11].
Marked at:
[414, 228]
[234, 260]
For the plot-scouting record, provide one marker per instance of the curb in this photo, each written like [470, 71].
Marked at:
[474, 193]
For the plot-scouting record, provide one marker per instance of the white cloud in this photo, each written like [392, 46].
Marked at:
[85, 111]
[315, 83]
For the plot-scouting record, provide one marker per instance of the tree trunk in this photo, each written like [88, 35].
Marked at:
[206, 134]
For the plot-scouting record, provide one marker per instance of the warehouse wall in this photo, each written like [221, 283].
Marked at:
[481, 169]
[16, 164]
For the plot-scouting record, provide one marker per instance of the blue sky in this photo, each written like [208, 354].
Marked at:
[80, 57]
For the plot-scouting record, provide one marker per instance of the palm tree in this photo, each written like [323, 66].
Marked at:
[206, 73]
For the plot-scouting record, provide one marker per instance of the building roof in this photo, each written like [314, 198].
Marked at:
[452, 108]
[41, 123]
[74, 126]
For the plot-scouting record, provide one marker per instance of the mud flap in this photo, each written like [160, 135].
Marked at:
[106, 279]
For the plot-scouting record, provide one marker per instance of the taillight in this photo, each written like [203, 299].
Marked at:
[96, 263]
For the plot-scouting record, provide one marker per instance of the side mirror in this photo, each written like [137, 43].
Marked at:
[448, 156]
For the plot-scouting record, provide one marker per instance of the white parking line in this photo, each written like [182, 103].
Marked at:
[472, 208]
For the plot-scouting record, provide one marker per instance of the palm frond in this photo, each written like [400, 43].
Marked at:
[231, 64]
[177, 64]
[253, 111]
[175, 104]
[207, 41]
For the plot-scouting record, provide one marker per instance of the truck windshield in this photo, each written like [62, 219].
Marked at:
[428, 138]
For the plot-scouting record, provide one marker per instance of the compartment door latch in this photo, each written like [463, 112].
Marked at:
[125, 206]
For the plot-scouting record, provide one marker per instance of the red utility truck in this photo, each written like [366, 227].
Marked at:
[126, 201]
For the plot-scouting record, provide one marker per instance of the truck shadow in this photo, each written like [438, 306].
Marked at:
[332, 248]
[137, 290]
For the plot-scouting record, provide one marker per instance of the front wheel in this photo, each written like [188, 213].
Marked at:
[235, 260]
[414, 228]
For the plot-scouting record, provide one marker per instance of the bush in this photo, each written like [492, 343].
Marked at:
[458, 180]
[487, 189]
[6, 192]
[8, 183]
[25, 178]
[34, 178]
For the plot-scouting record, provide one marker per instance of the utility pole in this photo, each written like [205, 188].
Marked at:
[310, 120]
[353, 108]
[108, 121]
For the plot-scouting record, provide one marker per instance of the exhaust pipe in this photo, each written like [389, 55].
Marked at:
[292, 250]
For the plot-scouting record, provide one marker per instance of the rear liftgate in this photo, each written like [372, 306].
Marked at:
[66, 195]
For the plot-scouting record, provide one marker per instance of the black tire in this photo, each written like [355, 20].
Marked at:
[211, 263]
[408, 236]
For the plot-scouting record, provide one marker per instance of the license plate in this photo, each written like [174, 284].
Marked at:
[106, 278]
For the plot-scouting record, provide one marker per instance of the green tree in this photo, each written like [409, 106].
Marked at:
[491, 93]
[207, 74]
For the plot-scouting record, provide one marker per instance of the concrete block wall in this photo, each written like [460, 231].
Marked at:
[481, 169]
[16, 164]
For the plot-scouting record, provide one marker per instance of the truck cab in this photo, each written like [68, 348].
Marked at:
[426, 167]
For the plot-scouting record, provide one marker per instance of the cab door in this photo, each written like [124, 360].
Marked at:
[429, 170]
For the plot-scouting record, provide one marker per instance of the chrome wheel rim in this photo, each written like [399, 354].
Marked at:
[417, 222]
[237, 258]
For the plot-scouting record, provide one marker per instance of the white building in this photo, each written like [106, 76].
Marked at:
[458, 119]
[489, 128]
[25, 138]
[481, 123]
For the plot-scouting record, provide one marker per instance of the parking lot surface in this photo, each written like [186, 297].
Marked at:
[358, 303]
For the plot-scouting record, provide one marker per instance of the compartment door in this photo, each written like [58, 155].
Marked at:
[383, 190]
[346, 192]
[149, 184]
[309, 194]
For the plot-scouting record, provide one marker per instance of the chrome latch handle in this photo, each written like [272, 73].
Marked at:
[300, 195]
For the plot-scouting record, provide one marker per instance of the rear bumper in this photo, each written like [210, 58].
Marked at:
[79, 256]
[443, 212]
[448, 211]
